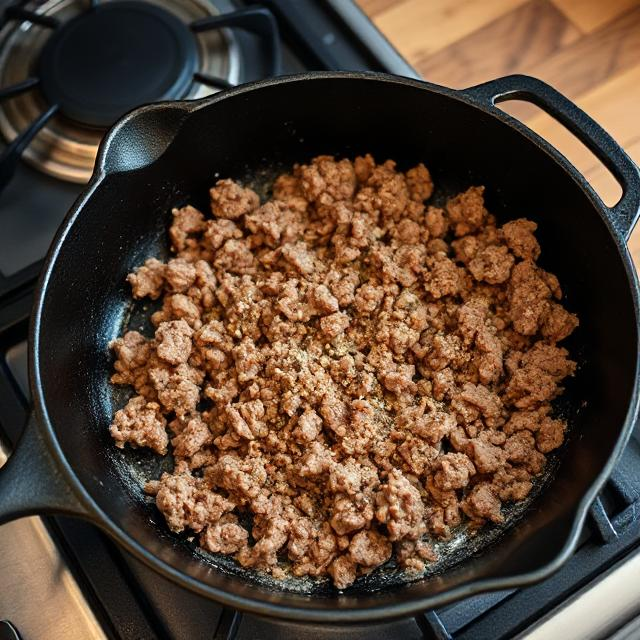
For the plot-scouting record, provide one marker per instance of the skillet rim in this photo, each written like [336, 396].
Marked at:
[383, 610]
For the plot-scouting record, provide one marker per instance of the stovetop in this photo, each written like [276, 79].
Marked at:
[63, 578]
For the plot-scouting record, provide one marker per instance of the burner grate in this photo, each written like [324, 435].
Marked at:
[432, 627]
[228, 625]
[92, 69]
[11, 154]
[110, 59]
[617, 505]
[17, 12]
[258, 20]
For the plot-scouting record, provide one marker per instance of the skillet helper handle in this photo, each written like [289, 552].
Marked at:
[31, 482]
[623, 215]
[140, 137]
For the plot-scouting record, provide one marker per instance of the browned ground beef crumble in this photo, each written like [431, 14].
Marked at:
[378, 371]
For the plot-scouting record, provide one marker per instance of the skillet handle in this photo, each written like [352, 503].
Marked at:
[624, 214]
[32, 483]
[141, 136]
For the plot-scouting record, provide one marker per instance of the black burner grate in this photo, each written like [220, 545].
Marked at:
[114, 57]
[119, 55]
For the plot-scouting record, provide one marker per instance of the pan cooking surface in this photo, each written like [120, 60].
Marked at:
[137, 466]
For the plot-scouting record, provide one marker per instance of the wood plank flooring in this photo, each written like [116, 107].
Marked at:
[588, 49]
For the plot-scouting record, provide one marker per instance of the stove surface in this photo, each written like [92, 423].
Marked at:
[63, 578]
[27, 550]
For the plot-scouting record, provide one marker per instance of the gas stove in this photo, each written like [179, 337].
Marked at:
[70, 68]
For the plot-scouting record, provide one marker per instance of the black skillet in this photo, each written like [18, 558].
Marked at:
[167, 154]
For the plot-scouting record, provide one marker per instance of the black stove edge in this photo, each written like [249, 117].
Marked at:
[24, 277]
[375, 41]
[602, 630]
[15, 308]
[321, 31]
[526, 607]
[94, 563]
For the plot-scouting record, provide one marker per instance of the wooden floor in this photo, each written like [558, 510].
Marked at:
[588, 49]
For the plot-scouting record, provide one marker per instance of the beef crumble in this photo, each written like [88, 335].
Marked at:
[376, 371]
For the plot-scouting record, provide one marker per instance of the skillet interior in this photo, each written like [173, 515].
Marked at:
[257, 133]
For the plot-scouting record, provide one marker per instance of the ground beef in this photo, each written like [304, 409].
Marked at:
[454, 471]
[344, 372]
[141, 424]
[342, 571]
[148, 280]
[492, 264]
[369, 549]
[230, 201]
[226, 536]
[519, 237]
[412, 555]
[174, 341]
[187, 502]
[400, 508]
[482, 504]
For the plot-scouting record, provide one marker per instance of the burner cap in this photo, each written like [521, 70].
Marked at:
[115, 57]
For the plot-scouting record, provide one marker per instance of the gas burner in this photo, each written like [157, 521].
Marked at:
[115, 57]
[72, 68]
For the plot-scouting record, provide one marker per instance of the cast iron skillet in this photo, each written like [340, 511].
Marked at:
[164, 155]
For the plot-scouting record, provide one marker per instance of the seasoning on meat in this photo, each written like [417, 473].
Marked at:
[343, 373]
